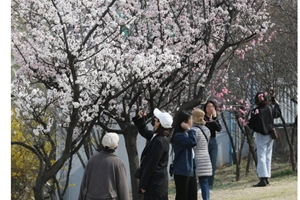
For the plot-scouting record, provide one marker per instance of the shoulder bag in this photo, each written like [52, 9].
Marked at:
[138, 171]
[273, 131]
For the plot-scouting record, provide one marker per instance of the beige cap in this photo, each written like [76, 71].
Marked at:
[198, 116]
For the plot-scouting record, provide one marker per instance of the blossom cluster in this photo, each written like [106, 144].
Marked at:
[89, 56]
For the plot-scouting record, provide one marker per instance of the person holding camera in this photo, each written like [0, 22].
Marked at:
[213, 124]
[153, 176]
[262, 122]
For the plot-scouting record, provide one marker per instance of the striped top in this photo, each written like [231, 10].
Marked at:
[203, 163]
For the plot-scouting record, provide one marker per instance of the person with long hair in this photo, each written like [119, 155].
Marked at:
[183, 141]
[262, 122]
[153, 178]
[213, 124]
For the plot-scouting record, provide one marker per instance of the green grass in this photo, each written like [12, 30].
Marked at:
[225, 177]
[282, 173]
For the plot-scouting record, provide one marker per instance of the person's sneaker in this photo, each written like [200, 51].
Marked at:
[199, 191]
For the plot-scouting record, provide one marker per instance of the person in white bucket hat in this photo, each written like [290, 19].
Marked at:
[153, 173]
[105, 174]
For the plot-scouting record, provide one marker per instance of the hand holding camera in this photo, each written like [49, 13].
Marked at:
[272, 94]
[142, 113]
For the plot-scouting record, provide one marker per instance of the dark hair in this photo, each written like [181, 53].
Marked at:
[261, 99]
[163, 131]
[209, 101]
[182, 116]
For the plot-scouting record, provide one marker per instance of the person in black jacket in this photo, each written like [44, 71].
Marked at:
[155, 156]
[213, 124]
[262, 122]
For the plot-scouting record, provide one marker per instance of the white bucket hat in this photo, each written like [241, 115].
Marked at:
[165, 119]
[110, 140]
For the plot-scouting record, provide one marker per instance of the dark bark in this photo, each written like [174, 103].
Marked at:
[291, 146]
[250, 139]
[237, 177]
[248, 163]
[130, 136]
[38, 189]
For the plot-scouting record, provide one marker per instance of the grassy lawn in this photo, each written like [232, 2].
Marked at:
[283, 183]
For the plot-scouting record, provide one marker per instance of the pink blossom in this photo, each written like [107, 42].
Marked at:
[219, 95]
[225, 90]
[244, 122]
[242, 111]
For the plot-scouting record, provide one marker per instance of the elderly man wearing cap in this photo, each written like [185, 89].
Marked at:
[154, 159]
[105, 174]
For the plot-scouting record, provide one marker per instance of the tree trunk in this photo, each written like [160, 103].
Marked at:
[38, 189]
[295, 138]
[130, 136]
[291, 146]
[233, 147]
[248, 163]
[250, 140]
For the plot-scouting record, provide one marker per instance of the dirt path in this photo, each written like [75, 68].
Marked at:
[285, 189]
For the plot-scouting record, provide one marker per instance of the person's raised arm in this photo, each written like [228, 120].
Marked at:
[140, 122]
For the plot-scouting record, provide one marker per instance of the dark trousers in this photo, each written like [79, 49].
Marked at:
[186, 187]
[156, 196]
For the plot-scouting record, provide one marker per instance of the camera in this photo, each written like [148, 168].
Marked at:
[272, 99]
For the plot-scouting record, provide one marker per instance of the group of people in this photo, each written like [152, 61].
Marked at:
[195, 148]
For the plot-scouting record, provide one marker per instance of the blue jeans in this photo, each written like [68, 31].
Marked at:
[213, 154]
[204, 186]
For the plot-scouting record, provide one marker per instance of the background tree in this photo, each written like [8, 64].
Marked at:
[91, 72]
[267, 62]
[24, 165]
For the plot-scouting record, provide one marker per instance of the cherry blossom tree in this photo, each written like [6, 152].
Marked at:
[204, 35]
[265, 62]
[73, 59]
[84, 63]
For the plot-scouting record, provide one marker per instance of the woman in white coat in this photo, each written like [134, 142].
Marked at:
[203, 162]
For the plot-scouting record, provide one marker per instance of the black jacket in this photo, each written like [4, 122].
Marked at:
[213, 125]
[154, 167]
[262, 118]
